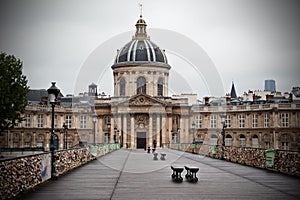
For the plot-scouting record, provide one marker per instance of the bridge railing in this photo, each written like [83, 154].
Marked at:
[23, 173]
[281, 161]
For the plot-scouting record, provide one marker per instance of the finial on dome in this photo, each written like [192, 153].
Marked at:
[141, 10]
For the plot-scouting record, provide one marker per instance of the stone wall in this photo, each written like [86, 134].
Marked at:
[23, 173]
[284, 161]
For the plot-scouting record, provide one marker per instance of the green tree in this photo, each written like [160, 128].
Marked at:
[13, 91]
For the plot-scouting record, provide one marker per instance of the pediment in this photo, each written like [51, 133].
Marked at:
[143, 100]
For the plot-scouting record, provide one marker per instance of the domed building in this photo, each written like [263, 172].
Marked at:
[140, 113]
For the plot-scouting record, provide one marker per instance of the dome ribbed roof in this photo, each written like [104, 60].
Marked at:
[141, 49]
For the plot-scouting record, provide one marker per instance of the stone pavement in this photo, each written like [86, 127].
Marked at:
[133, 174]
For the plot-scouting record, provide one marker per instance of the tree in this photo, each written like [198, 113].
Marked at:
[13, 91]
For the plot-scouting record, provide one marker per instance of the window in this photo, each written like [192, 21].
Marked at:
[213, 121]
[284, 119]
[228, 121]
[175, 119]
[27, 144]
[175, 138]
[55, 121]
[213, 139]
[40, 144]
[160, 87]
[267, 139]
[69, 121]
[198, 121]
[40, 121]
[285, 139]
[122, 87]
[254, 121]
[82, 121]
[27, 120]
[266, 120]
[242, 140]
[241, 121]
[228, 140]
[141, 85]
[107, 120]
[255, 141]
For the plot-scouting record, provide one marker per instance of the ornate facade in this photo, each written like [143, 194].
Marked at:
[141, 111]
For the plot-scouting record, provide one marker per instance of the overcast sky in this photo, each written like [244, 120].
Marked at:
[247, 41]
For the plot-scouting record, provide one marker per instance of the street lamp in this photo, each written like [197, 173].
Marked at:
[223, 117]
[66, 128]
[94, 122]
[53, 92]
[193, 128]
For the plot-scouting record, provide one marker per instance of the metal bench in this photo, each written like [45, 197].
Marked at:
[191, 173]
[163, 156]
[176, 176]
[155, 156]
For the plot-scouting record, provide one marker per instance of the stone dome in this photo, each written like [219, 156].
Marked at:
[140, 49]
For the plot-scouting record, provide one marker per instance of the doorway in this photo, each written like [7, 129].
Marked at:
[141, 140]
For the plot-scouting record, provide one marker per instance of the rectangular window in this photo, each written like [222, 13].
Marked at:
[254, 121]
[228, 122]
[27, 120]
[198, 121]
[285, 145]
[241, 121]
[284, 119]
[55, 121]
[255, 142]
[213, 121]
[266, 120]
[82, 121]
[69, 121]
[40, 121]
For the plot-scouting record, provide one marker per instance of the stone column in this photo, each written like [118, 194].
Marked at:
[100, 133]
[124, 130]
[22, 139]
[150, 130]
[158, 126]
[132, 131]
[169, 124]
[119, 128]
[34, 140]
[112, 126]
[164, 129]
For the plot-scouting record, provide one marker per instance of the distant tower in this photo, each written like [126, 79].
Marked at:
[93, 90]
[270, 85]
[233, 92]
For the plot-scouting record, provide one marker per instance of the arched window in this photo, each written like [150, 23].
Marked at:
[122, 87]
[228, 140]
[242, 140]
[255, 141]
[141, 85]
[160, 86]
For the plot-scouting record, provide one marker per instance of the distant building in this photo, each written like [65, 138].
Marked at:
[270, 85]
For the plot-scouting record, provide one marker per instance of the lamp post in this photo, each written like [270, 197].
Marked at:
[94, 122]
[223, 117]
[53, 92]
[66, 141]
[193, 128]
